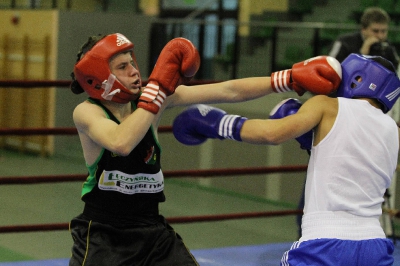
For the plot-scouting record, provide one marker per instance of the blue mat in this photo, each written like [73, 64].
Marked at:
[269, 254]
[265, 255]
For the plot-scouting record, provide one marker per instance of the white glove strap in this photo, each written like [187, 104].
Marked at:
[226, 126]
[150, 92]
[153, 94]
[280, 81]
[160, 98]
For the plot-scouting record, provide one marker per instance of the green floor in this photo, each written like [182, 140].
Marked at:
[59, 202]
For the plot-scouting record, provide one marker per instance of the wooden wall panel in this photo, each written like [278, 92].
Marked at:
[28, 53]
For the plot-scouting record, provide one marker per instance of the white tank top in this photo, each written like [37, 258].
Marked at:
[348, 173]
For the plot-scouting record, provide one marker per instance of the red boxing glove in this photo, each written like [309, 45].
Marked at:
[318, 75]
[177, 63]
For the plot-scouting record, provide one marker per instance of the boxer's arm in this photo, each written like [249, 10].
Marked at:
[288, 107]
[277, 131]
[91, 122]
[236, 90]
[193, 126]
[320, 75]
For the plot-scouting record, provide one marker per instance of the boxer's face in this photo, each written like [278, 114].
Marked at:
[123, 67]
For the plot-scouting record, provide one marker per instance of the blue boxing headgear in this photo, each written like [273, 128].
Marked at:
[369, 77]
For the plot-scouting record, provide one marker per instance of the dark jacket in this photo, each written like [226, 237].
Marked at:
[351, 43]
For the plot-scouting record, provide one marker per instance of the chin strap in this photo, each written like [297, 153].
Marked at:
[107, 86]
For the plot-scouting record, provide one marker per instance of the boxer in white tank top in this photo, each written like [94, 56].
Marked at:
[354, 151]
[350, 168]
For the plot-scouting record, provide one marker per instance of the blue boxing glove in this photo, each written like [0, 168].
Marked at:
[289, 107]
[200, 122]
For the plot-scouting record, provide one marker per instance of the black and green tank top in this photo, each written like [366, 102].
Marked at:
[125, 186]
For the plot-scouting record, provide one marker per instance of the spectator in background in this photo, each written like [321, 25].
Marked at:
[370, 40]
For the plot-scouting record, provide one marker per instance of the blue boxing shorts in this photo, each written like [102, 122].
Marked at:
[337, 252]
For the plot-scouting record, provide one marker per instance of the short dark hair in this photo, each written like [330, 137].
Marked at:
[89, 45]
[374, 15]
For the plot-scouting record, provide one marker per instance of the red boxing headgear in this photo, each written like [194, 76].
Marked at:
[93, 70]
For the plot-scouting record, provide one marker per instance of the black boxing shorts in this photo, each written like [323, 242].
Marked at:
[97, 244]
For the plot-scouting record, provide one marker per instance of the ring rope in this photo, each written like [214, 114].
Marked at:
[18, 180]
[55, 131]
[38, 131]
[67, 83]
[172, 220]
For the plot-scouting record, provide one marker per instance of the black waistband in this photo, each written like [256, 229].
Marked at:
[121, 218]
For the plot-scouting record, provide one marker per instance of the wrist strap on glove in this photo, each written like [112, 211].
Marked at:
[280, 81]
[230, 125]
[152, 98]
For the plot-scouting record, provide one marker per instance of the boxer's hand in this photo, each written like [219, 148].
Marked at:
[318, 75]
[289, 107]
[200, 122]
[177, 63]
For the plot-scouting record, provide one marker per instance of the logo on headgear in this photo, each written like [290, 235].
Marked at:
[121, 40]
[393, 95]
[372, 86]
